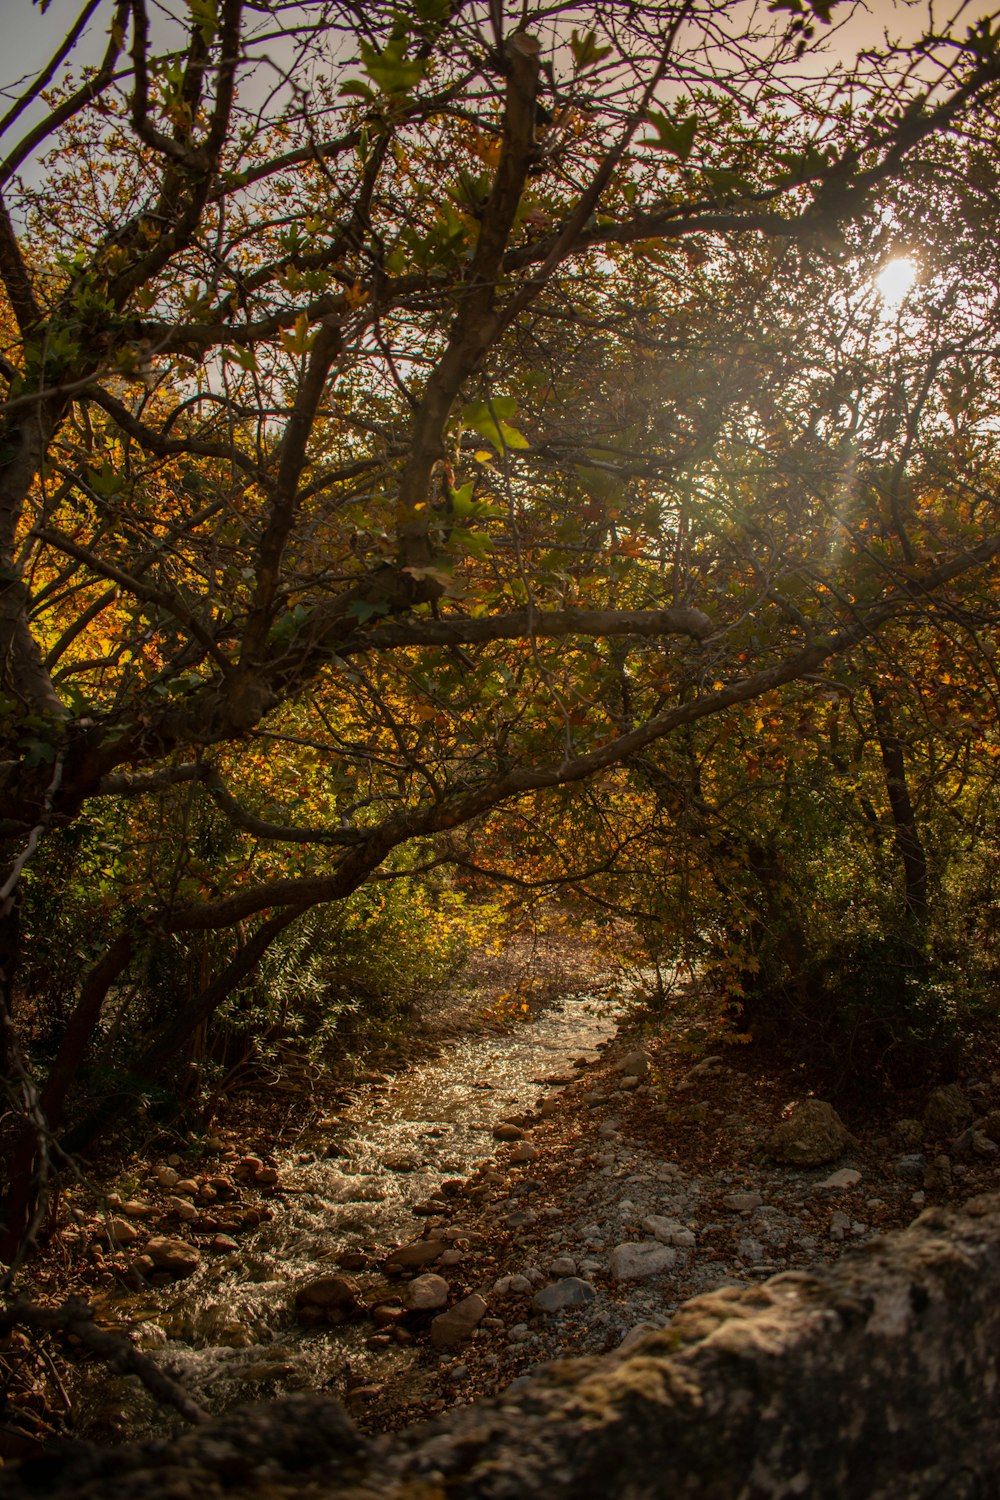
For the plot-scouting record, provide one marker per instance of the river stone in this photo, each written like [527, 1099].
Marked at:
[812, 1135]
[571, 1291]
[634, 1064]
[167, 1177]
[336, 1294]
[633, 1261]
[948, 1111]
[416, 1253]
[459, 1323]
[426, 1292]
[168, 1253]
[837, 1182]
[506, 1131]
[742, 1203]
[563, 1265]
[121, 1232]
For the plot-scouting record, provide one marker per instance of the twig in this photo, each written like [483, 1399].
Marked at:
[76, 1318]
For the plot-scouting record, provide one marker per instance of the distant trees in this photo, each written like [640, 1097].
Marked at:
[411, 412]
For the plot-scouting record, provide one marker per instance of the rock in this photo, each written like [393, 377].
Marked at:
[635, 1064]
[223, 1242]
[742, 1203]
[839, 1225]
[635, 1336]
[426, 1292]
[138, 1208]
[168, 1253]
[338, 1297]
[512, 1286]
[167, 1177]
[948, 1110]
[907, 1135]
[571, 1291]
[563, 1265]
[937, 1174]
[186, 1187]
[837, 1182]
[416, 1253]
[450, 1258]
[633, 1261]
[121, 1232]
[982, 1145]
[991, 1127]
[266, 1177]
[181, 1208]
[707, 1065]
[459, 1323]
[811, 1136]
[506, 1131]
[876, 1377]
[910, 1168]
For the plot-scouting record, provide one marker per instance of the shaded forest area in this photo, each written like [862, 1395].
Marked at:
[454, 457]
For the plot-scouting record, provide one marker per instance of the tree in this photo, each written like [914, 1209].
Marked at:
[446, 368]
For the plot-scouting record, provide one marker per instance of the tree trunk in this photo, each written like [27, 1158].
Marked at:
[909, 845]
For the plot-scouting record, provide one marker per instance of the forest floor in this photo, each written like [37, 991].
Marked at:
[656, 1141]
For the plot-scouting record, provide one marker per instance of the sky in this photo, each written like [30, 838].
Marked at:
[28, 37]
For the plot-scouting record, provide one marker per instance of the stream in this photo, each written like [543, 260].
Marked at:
[229, 1333]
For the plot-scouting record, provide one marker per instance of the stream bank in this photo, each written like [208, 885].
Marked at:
[554, 1191]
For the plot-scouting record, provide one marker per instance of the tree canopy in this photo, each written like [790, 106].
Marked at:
[413, 412]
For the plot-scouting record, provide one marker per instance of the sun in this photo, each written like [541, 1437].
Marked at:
[895, 279]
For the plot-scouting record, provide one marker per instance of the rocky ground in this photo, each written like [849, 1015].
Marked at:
[646, 1176]
[645, 1179]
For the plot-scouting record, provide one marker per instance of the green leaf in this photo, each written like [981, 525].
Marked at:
[105, 481]
[488, 418]
[391, 71]
[677, 137]
[586, 52]
[476, 543]
[364, 610]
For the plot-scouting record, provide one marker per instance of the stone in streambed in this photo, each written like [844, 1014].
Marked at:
[333, 1299]
[633, 1261]
[426, 1292]
[416, 1253]
[459, 1323]
[570, 1291]
[168, 1253]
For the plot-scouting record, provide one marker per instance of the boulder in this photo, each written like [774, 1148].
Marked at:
[948, 1111]
[813, 1135]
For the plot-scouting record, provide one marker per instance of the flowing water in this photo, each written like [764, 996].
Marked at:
[229, 1331]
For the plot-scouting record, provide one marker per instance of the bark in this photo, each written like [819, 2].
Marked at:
[909, 845]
